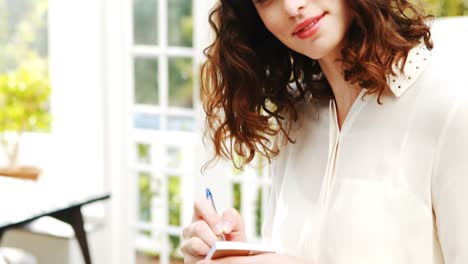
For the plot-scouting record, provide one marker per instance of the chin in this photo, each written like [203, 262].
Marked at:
[315, 55]
[322, 49]
[318, 53]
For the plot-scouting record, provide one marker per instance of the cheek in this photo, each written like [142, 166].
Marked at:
[278, 29]
[273, 22]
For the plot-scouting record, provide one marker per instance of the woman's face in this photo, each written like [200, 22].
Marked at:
[315, 28]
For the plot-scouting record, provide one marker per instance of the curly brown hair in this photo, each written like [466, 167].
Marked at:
[252, 82]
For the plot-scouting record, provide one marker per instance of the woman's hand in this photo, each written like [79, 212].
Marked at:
[257, 259]
[205, 229]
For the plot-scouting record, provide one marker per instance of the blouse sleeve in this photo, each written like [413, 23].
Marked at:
[450, 185]
[276, 176]
[267, 226]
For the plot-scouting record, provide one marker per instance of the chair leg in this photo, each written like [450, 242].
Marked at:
[74, 217]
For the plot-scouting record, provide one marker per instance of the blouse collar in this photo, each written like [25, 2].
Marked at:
[417, 61]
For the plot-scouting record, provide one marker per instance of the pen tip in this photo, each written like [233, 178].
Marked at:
[207, 192]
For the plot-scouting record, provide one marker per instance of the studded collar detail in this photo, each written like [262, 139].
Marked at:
[418, 59]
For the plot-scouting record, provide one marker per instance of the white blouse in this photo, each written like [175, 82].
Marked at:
[391, 186]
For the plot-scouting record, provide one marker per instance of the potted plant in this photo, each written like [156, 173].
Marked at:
[24, 106]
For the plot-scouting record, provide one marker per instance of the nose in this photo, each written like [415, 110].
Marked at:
[294, 7]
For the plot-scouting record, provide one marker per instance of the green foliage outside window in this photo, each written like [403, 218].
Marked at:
[236, 190]
[145, 195]
[258, 213]
[24, 81]
[146, 81]
[180, 23]
[145, 22]
[180, 82]
[143, 154]
[23, 48]
[174, 210]
[23, 32]
[24, 106]
[174, 200]
[443, 8]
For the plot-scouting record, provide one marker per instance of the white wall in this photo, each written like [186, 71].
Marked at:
[76, 70]
[451, 36]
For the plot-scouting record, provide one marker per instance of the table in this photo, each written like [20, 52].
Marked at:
[22, 202]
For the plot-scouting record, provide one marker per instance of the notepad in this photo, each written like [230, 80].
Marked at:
[223, 249]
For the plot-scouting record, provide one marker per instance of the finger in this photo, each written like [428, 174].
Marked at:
[188, 259]
[202, 230]
[233, 225]
[192, 260]
[203, 210]
[194, 247]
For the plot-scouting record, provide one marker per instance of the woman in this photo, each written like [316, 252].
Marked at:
[370, 127]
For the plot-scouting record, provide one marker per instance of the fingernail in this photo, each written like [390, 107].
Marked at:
[218, 229]
[227, 227]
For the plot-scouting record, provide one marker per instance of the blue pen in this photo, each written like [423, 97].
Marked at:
[209, 196]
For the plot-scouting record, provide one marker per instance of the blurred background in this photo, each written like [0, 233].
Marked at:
[103, 96]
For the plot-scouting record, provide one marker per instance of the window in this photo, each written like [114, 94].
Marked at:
[23, 33]
[24, 80]
[166, 52]
[163, 113]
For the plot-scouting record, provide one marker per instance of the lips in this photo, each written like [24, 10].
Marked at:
[307, 24]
